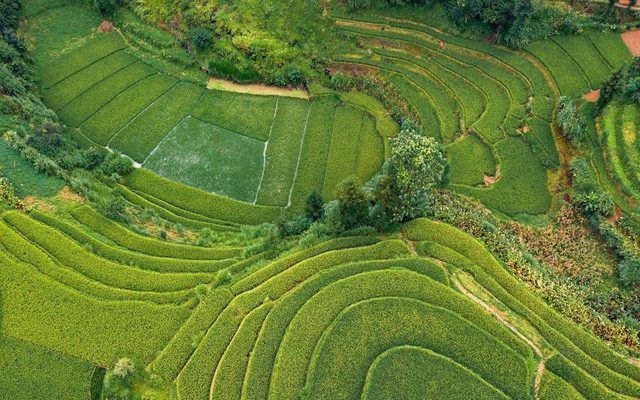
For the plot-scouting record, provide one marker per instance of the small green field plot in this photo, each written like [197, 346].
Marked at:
[470, 160]
[522, 183]
[283, 151]
[620, 129]
[245, 114]
[140, 136]
[23, 176]
[211, 158]
[93, 99]
[32, 372]
[417, 373]
[110, 119]
[612, 48]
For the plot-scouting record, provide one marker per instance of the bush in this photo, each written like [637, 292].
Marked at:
[201, 38]
[314, 204]
[116, 164]
[106, 7]
[629, 271]
[116, 209]
[570, 121]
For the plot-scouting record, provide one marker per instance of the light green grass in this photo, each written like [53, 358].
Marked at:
[470, 161]
[210, 158]
[416, 373]
[23, 176]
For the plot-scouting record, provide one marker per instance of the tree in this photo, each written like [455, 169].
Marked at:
[415, 166]
[610, 87]
[570, 121]
[314, 203]
[629, 271]
[201, 38]
[106, 7]
[353, 204]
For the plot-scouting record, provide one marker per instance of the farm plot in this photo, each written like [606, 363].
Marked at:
[209, 157]
[250, 148]
[32, 372]
[460, 86]
[619, 125]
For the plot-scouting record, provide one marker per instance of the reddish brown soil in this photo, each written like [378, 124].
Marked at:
[592, 96]
[617, 213]
[106, 27]
[489, 180]
[632, 40]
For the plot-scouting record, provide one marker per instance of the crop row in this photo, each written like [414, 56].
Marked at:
[617, 157]
[580, 347]
[76, 257]
[448, 379]
[117, 233]
[199, 202]
[143, 261]
[37, 309]
[27, 252]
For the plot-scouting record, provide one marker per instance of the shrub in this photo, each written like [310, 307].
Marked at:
[353, 204]
[106, 7]
[116, 209]
[629, 271]
[314, 203]
[570, 121]
[116, 163]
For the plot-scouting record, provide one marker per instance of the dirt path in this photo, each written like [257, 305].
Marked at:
[512, 328]
[260, 89]
[632, 40]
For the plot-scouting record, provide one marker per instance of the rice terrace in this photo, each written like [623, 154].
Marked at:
[319, 199]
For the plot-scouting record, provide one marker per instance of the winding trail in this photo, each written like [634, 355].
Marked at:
[541, 365]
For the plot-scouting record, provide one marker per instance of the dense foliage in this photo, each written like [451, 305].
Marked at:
[249, 40]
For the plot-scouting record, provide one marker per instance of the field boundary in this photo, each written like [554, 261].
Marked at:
[264, 152]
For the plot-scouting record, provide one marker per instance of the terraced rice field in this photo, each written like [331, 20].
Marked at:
[338, 320]
[619, 126]
[503, 99]
[165, 124]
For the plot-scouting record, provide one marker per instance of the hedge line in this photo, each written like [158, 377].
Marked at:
[65, 91]
[425, 375]
[286, 135]
[198, 201]
[176, 353]
[76, 257]
[229, 375]
[316, 315]
[364, 330]
[37, 309]
[606, 366]
[107, 121]
[28, 253]
[204, 269]
[140, 136]
[88, 216]
[89, 102]
[262, 361]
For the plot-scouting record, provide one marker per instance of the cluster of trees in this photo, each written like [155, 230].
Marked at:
[570, 121]
[515, 23]
[280, 42]
[129, 380]
[622, 84]
[399, 193]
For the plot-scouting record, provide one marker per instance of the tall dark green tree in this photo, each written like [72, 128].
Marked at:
[314, 204]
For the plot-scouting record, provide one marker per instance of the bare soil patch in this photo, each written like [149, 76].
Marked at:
[592, 96]
[106, 27]
[259, 89]
[632, 40]
[67, 195]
